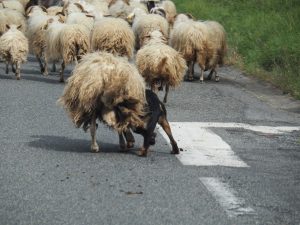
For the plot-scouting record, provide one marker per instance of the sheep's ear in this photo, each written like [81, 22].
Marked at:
[111, 2]
[89, 15]
[28, 11]
[126, 2]
[79, 6]
[61, 18]
[7, 26]
[60, 13]
[19, 27]
[190, 16]
[44, 9]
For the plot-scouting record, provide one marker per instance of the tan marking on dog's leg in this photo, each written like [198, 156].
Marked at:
[163, 122]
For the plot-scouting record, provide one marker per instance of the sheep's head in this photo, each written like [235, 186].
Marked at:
[159, 11]
[13, 27]
[35, 9]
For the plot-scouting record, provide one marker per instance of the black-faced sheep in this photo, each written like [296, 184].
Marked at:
[160, 64]
[14, 48]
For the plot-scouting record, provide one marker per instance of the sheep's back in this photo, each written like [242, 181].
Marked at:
[159, 61]
[14, 46]
[113, 35]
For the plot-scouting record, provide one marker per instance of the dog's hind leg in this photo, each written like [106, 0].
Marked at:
[163, 122]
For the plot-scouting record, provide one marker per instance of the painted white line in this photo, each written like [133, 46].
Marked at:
[233, 205]
[261, 129]
[202, 147]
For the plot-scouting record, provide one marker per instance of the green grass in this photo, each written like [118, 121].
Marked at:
[265, 34]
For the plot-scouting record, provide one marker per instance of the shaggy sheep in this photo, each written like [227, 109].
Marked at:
[107, 88]
[14, 48]
[12, 4]
[190, 39]
[65, 41]
[113, 35]
[119, 8]
[169, 11]
[9, 16]
[159, 63]
[37, 35]
[144, 23]
[217, 39]
[81, 18]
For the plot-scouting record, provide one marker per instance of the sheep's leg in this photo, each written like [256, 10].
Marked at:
[217, 78]
[62, 72]
[121, 141]
[53, 69]
[45, 72]
[190, 71]
[166, 93]
[129, 138]
[7, 67]
[13, 68]
[163, 122]
[40, 63]
[17, 71]
[93, 128]
[210, 74]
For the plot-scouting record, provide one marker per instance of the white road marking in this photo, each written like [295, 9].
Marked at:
[233, 205]
[202, 147]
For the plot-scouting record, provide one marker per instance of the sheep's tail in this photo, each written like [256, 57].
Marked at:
[162, 64]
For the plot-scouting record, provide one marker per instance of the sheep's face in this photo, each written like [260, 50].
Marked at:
[159, 11]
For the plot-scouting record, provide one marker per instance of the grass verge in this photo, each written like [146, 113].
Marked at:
[263, 36]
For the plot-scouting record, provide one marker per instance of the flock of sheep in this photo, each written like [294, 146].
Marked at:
[101, 37]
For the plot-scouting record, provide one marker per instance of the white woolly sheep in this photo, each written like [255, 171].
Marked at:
[10, 16]
[14, 48]
[217, 39]
[12, 4]
[190, 39]
[67, 42]
[37, 35]
[113, 35]
[119, 8]
[169, 11]
[159, 63]
[144, 24]
[107, 88]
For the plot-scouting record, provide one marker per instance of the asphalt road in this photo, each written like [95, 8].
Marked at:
[49, 176]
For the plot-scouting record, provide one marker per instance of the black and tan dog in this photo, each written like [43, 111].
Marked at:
[155, 112]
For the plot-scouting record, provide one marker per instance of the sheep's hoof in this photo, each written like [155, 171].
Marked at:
[201, 81]
[130, 144]
[142, 152]
[217, 79]
[13, 70]
[165, 101]
[18, 78]
[95, 148]
[61, 80]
